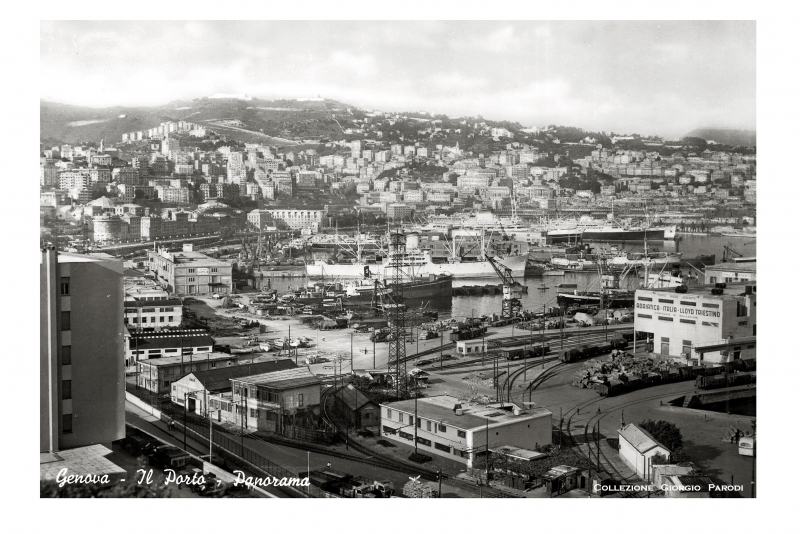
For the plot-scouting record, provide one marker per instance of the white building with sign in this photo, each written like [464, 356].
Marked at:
[699, 325]
[459, 430]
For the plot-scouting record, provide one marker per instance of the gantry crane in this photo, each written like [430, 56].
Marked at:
[512, 290]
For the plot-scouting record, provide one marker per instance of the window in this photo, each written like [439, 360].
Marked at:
[462, 434]
[688, 303]
[65, 286]
[161, 319]
[65, 322]
[388, 413]
[170, 318]
[688, 321]
[66, 355]
[166, 383]
[428, 426]
[424, 441]
[666, 301]
[646, 299]
[707, 305]
[665, 318]
[191, 271]
[411, 420]
[300, 400]
[742, 323]
[213, 365]
[66, 389]
[400, 415]
[389, 430]
[66, 423]
[644, 316]
[406, 435]
[442, 428]
[214, 270]
[253, 412]
[191, 279]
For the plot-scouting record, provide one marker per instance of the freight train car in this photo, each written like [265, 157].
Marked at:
[725, 380]
[586, 351]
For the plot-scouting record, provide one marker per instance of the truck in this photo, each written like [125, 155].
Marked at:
[349, 486]
[360, 487]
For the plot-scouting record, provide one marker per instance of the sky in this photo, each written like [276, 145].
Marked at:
[656, 78]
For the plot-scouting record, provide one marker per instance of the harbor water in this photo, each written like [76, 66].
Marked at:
[542, 290]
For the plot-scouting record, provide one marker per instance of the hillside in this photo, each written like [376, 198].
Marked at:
[725, 137]
[262, 120]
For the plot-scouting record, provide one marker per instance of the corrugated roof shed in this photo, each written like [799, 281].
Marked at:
[220, 379]
[287, 379]
[353, 400]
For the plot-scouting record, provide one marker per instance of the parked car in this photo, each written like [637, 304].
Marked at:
[168, 457]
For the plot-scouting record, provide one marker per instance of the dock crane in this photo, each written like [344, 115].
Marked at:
[512, 290]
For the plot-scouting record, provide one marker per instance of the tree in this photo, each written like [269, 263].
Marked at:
[659, 459]
[665, 432]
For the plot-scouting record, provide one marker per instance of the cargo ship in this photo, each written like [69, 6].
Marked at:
[431, 287]
[611, 231]
[417, 261]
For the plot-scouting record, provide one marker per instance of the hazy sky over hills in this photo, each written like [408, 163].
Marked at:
[662, 78]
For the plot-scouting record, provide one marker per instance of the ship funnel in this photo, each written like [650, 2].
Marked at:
[412, 241]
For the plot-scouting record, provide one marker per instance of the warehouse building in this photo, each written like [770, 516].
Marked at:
[151, 345]
[279, 399]
[212, 388]
[153, 315]
[707, 325]
[451, 427]
[190, 273]
[157, 375]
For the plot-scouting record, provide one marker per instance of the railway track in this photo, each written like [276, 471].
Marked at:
[609, 466]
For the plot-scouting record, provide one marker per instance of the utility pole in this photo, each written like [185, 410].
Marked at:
[351, 352]
[441, 348]
[543, 336]
[185, 401]
[487, 451]
[210, 441]
[416, 420]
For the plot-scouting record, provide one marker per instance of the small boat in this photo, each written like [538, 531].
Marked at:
[266, 347]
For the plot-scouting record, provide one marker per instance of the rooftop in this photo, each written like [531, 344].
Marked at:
[286, 379]
[131, 302]
[639, 438]
[442, 409]
[352, 399]
[80, 461]
[732, 266]
[191, 258]
[219, 379]
[731, 291]
[176, 360]
[160, 341]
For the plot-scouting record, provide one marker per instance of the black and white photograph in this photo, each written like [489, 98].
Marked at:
[399, 259]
